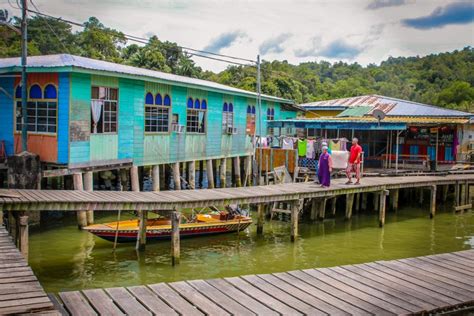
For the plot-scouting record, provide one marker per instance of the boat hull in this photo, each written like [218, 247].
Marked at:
[186, 231]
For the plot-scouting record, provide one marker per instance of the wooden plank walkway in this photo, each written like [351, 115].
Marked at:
[420, 285]
[20, 291]
[52, 200]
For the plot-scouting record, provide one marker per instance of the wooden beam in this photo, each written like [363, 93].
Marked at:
[260, 218]
[175, 238]
[463, 207]
[210, 174]
[294, 220]
[432, 201]
[192, 174]
[155, 177]
[349, 205]
[79, 186]
[89, 187]
[95, 167]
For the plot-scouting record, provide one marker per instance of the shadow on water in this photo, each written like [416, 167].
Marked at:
[65, 258]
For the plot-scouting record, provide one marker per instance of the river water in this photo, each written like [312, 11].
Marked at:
[65, 258]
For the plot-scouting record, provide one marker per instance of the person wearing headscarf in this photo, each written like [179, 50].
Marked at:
[325, 168]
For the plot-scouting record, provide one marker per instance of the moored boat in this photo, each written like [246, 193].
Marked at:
[158, 229]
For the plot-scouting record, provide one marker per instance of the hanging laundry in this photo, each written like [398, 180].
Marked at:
[287, 143]
[339, 159]
[310, 149]
[302, 147]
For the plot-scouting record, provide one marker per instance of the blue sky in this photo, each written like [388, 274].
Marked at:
[364, 31]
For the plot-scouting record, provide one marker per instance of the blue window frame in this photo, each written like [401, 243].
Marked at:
[157, 114]
[36, 92]
[149, 98]
[50, 92]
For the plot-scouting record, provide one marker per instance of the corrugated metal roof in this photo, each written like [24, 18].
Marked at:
[388, 119]
[66, 60]
[392, 106]
[355, 111]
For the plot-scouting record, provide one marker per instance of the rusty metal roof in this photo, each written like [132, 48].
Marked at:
[391, 106]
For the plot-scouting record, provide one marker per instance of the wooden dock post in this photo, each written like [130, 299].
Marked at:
[175, 239]
[314, 209]
[349, 204]
[223, 172]
[238, 180]
[200, 174]
[445, 192]
[142, 215]
[395, 193]
[176, 176]
[432, 201]
[210, 174]
[420, 196]
[357, 202]
[333, 206]
[192, 174]
[364, 201]
[134, 179]
[89, 187]
[382, 206]
[294, 219]
[457, 194]
[376, 201]
[23, 234]
[260, 218]
[322, 208]
[248, 171]
[79, 186]
[155, 178]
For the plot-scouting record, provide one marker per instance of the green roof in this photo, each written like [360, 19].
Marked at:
[355, 111]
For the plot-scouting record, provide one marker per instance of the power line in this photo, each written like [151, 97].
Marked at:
[146, 41]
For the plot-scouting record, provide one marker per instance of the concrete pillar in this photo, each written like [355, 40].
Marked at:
[333, 206]
[176, 176]
[433, 201]
[23, 235]
[349, 204]
[89, 187]
[314, 209]
[79, 186]
[382, 207]
[294, 220]
[223, 172]
[322, 208]
[210, 174]
[155, 178]
[175, 239]
[192, 174]
[236, 162]
[394, 198]
[260, 218]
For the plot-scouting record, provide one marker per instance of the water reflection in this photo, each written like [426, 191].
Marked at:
[65, 258]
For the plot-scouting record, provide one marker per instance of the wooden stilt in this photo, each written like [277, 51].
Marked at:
[382, 207]
[260, 218]
[457, 194]
[201, 174]
[23, 235]
[445, 193]
[134, 179]
[322, 208]
[376, 201]
[192, 174]
[175, 239]
[89, 187]
[294, 220]
[79, 186]
[142, 220]
[223, 172]
[12, 226]
[466, 193]
[394, 199]
[314, 209]
[333, 206]
[433, 201]
[210, 174]
[176, 176]
[247, 170]
[420, 196]
[364, 201]
[155, 175]
[357, 202]
[238, 181]
[349, 204]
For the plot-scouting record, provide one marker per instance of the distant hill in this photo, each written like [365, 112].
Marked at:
[445, 79]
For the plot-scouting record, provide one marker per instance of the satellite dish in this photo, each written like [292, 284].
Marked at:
[378, 114]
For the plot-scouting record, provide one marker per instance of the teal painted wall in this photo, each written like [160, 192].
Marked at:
[131, 141]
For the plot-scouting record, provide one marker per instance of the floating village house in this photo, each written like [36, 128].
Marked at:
[85, 114]
[391, 131]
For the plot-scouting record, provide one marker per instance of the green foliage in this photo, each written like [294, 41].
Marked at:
[443, 79]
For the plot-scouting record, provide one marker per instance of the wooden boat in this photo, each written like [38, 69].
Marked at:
[158, 229]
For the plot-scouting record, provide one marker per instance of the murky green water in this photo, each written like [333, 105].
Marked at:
[65, 258]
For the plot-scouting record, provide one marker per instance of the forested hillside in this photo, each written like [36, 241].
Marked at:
[445, 79]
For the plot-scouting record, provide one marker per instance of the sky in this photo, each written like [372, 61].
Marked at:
[363, 31]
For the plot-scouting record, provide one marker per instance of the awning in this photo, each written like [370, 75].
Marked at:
[340, 124]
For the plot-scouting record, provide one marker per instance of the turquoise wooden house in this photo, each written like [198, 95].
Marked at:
[84, 113]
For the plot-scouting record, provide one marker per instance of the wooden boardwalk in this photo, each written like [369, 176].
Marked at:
[408, 286]
[20, 291]
[52, 200]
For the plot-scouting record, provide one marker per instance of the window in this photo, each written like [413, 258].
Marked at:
[104, 109]
[196, 116]
[270, 117]
[157, 113]
[250, 120]
[41, 109]
[227, 116]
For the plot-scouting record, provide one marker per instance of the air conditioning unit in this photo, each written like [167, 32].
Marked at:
[177, 128]
[231, 130]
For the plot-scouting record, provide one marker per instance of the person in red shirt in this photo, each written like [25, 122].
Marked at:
[353, 164]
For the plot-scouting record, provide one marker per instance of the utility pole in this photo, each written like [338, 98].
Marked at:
[24, 97]
[260, 121]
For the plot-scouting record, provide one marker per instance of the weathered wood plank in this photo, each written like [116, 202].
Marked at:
[76, 304]
[102, 302]
[174, 299]
[151, 301]
[126, 301]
